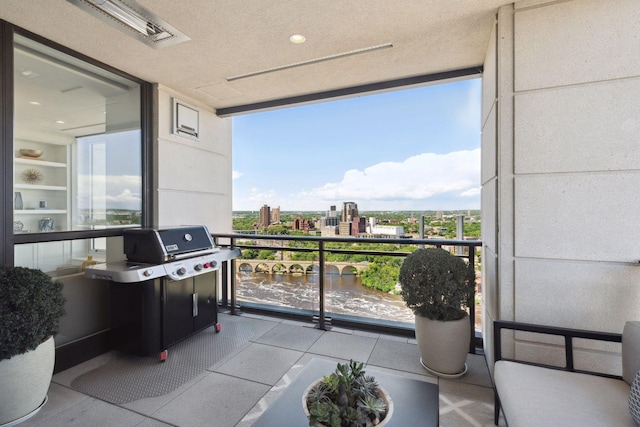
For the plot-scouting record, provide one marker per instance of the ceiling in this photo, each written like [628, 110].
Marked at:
[233, 37]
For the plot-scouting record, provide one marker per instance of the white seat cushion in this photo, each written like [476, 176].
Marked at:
[537, 397]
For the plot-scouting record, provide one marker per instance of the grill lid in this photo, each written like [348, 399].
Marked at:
[149, 245]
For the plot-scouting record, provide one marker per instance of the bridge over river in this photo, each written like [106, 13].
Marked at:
[298, 267]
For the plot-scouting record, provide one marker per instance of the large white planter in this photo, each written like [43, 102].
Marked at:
[443, 346]
[24, 382]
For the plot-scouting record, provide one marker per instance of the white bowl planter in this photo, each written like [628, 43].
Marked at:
[24, 382]
[382, 394]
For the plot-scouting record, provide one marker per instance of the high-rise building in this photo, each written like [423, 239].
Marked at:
[349, 212]
[332, 221]
[332, 213]
[275, 215]
[265, 216]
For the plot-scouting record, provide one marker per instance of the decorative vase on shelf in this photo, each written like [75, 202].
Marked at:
[18, 201]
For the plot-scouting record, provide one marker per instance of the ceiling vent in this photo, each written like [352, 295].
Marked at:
[133, 19]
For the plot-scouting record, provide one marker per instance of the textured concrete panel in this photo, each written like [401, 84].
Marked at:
[180, 208]
[489, 145]
[577, 216]
[490, 282]
[490, 77]
[575, 42]
[489, 214]
[584, 295]
[194, 186]
[594, 127]
[190, 168]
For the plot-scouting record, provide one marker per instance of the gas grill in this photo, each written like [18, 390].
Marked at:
[165, 291]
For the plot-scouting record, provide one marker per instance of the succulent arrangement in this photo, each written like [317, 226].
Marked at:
[346, 398]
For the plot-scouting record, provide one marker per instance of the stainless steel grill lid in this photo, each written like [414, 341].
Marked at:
[156, 246]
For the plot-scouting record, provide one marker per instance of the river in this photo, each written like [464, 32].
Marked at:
[344, 295]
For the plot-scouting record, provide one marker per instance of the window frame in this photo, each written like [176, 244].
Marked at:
[7, 237]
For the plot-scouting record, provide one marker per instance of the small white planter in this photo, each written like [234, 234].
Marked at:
[443, 346]
[382, 394]
[24, 382]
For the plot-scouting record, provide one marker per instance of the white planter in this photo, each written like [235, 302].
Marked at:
[24, 382]
[443, 346]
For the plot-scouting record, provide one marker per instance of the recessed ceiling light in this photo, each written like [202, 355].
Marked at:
[297, 38]
[34, 103]
[29, 74]
[60, 122]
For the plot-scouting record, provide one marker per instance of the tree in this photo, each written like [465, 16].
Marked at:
[381, 277]
[249, 253]
[266, 254]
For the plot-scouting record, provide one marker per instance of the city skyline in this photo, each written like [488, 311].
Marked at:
[413, 149]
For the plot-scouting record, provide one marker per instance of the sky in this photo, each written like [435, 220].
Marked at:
[411, 149]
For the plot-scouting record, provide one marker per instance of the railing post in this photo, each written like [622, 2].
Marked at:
[233, 281]
[472, 303]
[321, 323]
[224, 297]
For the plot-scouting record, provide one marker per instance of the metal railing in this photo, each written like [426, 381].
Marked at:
[250, 241]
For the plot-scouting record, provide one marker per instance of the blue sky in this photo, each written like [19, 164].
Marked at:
[412, 149]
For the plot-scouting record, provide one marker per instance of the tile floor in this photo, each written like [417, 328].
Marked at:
[235, 391]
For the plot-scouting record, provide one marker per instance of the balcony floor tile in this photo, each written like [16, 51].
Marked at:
[235, 391]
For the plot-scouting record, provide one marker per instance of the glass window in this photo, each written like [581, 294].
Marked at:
[77, 143]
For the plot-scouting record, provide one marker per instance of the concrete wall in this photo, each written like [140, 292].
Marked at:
[563, 189]
[194, 181]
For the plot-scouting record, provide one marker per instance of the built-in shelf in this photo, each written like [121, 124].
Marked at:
[39, 187]
[33, 162]
[40, 211]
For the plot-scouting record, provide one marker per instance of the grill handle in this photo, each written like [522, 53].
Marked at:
[193, 254]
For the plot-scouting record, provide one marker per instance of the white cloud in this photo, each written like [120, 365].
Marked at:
[236, 175]
[421, 182]
[472, 192]
[125, 197]
[417, 178]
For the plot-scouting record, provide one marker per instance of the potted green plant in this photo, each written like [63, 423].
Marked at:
[347, 397]
[438, 287]
[31, 305]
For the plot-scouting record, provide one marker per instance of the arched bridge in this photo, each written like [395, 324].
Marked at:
[300, 267]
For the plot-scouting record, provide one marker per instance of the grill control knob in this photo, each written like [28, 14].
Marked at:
[213, 264]
[147, 273]
[181, 271]
[197, 267]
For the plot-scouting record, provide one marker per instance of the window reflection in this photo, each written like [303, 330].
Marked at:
[66, 257]
[108, 184]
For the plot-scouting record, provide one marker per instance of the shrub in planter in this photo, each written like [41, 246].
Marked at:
[438, 287]
[31, 305]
